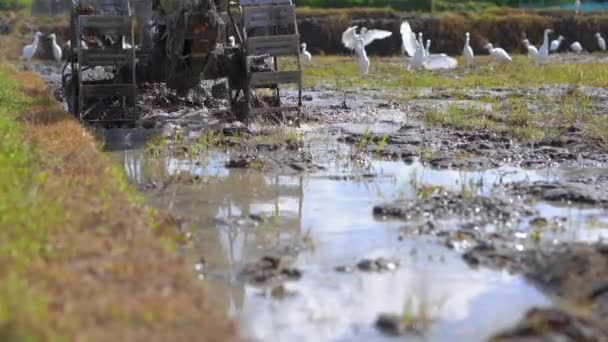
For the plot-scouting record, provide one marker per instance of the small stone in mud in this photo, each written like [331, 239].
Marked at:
[256, 218]
[292, 273]
[367, 265]
[240, 163]
[390, 324]
[297, 167]
[344, 269]
[539, 222]
[378, 265]
[553, 325]
[306, 97]
[387, 264]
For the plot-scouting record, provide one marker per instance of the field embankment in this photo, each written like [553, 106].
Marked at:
[80, 257]
[322, 28]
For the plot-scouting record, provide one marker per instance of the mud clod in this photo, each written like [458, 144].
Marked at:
[554, 325]
[270, 270]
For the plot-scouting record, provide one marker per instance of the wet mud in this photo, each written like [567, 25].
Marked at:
[368, 220]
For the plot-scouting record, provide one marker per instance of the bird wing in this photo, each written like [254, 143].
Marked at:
[408, 38]
[441, 61]
[372, 35]
[502, 54]
[349, 37]
[554, 45]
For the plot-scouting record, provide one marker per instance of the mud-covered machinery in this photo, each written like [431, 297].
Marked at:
[117, 45]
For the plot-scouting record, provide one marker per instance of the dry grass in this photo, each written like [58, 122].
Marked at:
[99, 268]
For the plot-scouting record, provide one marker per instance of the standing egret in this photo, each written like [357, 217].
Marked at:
[125, 45]
[417, 61]
[304, 54]
[427, 48]
[577, 6]
[543, 54]
[421, 42]
[467, 51]
[57, 51]
[358, 42]
[362, 56]
[576, 47]
[498, 54]
[532, 50]
[555, 44]
[601, 43]
[231, 42]
[350, 36]
[30, 50]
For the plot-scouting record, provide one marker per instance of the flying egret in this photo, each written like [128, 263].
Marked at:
[498, 54]
[231, 42]
[542, 55]
[30, 50]
[304, 54]
[408, 39]
[576, 47]
[601, 43]
[57, 51]
[358, 42]
[467, 51]
[555, 44]
[362, 55]
[350, 36]
[532, 50]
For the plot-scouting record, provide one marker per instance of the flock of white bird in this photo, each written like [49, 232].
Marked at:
[413, 46]
[30, 50]
[419, 55]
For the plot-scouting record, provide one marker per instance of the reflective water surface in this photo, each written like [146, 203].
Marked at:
[324, 220]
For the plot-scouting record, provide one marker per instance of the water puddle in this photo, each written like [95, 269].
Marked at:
[324, 220]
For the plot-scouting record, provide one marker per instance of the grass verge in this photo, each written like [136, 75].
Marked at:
[81, 258]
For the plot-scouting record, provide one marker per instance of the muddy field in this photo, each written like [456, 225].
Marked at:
[475, 213]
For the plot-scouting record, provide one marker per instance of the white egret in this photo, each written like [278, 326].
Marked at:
[421, 42]
[362, 56]
[304, 54]
[408, 39]
[83, 44]
[576, 47]
[350, 36]
[420, 56]
[417, 61]
[577, 6]
[532, 50]
[467, 51]
[543, 54]
[555, 44]
[30, 50]
[57, 51]
[125, 45]
[358, 42]
[498, 54]
[601, 43]
[231, 42]
[438, 61]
